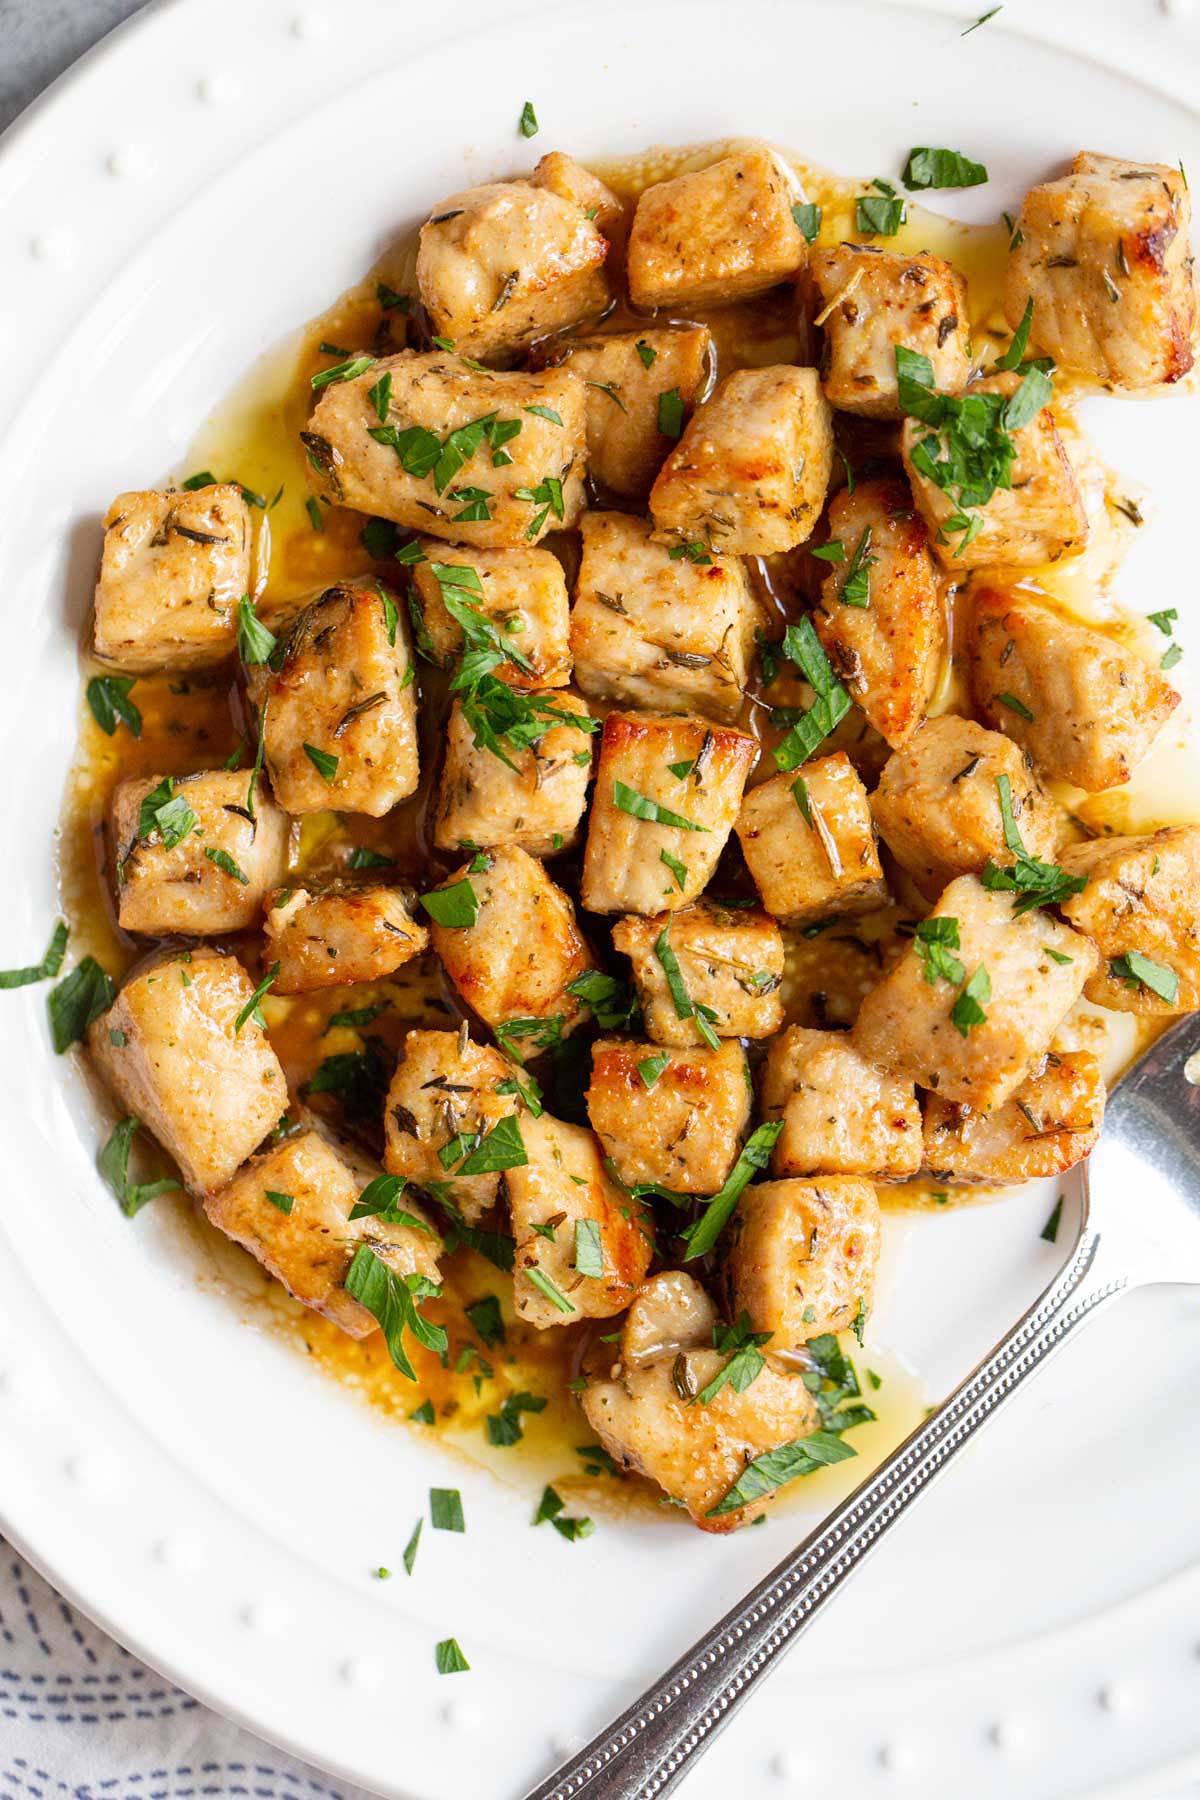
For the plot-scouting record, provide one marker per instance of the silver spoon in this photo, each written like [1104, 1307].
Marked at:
[1139, 1225]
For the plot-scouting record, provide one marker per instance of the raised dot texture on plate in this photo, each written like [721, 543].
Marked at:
[53, 246]
[182, 1554]
[460, 1715]
[309, 25]
[1117, 1697]
[217, 90]
[358, 1672]
[127, 161]
[1010, 1734]
[786, 1765]
[266, 1616]
[898, 1757]
[30, 1387]
[96, 1471]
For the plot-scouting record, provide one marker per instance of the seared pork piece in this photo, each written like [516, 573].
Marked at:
[641, 386]
[716, 235]
[447, 1096]
[654, 630]
[731, 964]
[667, 794]
[290, 1208]
[523, 593]
[676, 1117]
[502, 264]
[751, 470]
[174, 567]
[809, 842]
[339, 715]
[1103, 253]
[805, 1256]
[538, 802]
[582, 1244]
[881, 616]
[1038, 518]
[841, 1114]
[649, 1416]
[486, 488]
[335, 935]
[1085, 708]
[872, 300]
[513, 964]
[1142, 901]
[190, 857]
[974, 956]
[173, 1051]
[937, 805]
[571, 181]
[1051, 1123]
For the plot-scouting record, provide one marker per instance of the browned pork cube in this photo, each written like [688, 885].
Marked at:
[716, 235]
[502, 264]
[937, 806]
[190, 857]
[521, 592]
[514, 963]
[172, 1050]
[536, 798]
[731, 964]
[667, 794]
[641, 386]
[751, 470]
[571, 181]
[509, 491]
[676, 1117]
[841, 1114]
[874, 299]
[447, 1096]
[1086, 709]
[1103, 253]
[805, 1256]
[582, 1245]
[174, 567]
[1038, 518]
[1141, 909]
[336, 935]
[809, 842]
[1051, 1123]
[923, 1019]
[881, 616]
[659, 631]
[290, 1208]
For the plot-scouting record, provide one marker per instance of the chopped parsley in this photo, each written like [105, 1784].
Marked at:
[968, 1009]
[113, 1164]
[256, 644]
[773, 1469]
[343, 371]
[856, 589]
[806, 731]
[647, 355]
[651, 1067]
[449, 1656]
[702, 1235]
[251, 1008]
[446, 1510]
[808, 218]
[79, 998]
[410, 1549]
[1049, 1230]
[547, 1289]
[527, 124]
[678, 869]
[45, 970]
[226, 864]
[165, 816]
[628, 800]
[1011, 702]
[933, 941]
[685, 1008]
[589, 1250]
[880, 214]
[504, 1428]
[746, 1362]
[670, 413]
[485, 1319]
[394, 1303]
[455, 906]
[281, 1202]
[1036, 883]
[109, 703]
[1136, 970]
[613, 1003]
[927, 168]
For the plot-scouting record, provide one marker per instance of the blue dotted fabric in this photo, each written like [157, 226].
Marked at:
[81, 1717]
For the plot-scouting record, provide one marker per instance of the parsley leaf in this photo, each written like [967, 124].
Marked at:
[1135, 970]
[967, 1011]
[628, 800]
[803, 647]
[927, 168]
[933, 942]
[113, 1164]
[45, 970]
[808, 218]
[109, 702]
[455, 906]
[670, 413]
[701, 1236]
[773, 1469]
[527, 124]
[504, 1428]
[79, 998]
[745, 1364]
[394, 1302]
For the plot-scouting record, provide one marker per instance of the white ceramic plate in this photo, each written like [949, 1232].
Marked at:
[200, 186]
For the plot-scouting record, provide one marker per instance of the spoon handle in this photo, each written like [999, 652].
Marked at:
[645, 1752]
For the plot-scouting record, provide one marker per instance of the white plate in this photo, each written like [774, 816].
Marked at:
[203, 184]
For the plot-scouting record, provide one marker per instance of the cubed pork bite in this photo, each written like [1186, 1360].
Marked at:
[809, 842]
[571, 181]
[881, 616]
[873, 299]
[172, 1050]
[582, 1244]
[648, 1415]
[1103, 253]
[1051, 1123]
[447, 1095]
[469, 493]
[337, 934]
[1142, 900]
[656, 631]
[731, 963]
[339, 715]
[190, 857]
[719, 234]
[667, 794]
[922, 1023]
[937, 805]
[1085, 708]
[805, 1256]
[751, 470]
[290, 1208]
[174, 567]
[1038, 518]
[502, 264]
[522, 592]
[514, 963]
[641, 386]
[538, 803]
[841, 1114]
[676, 1117]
